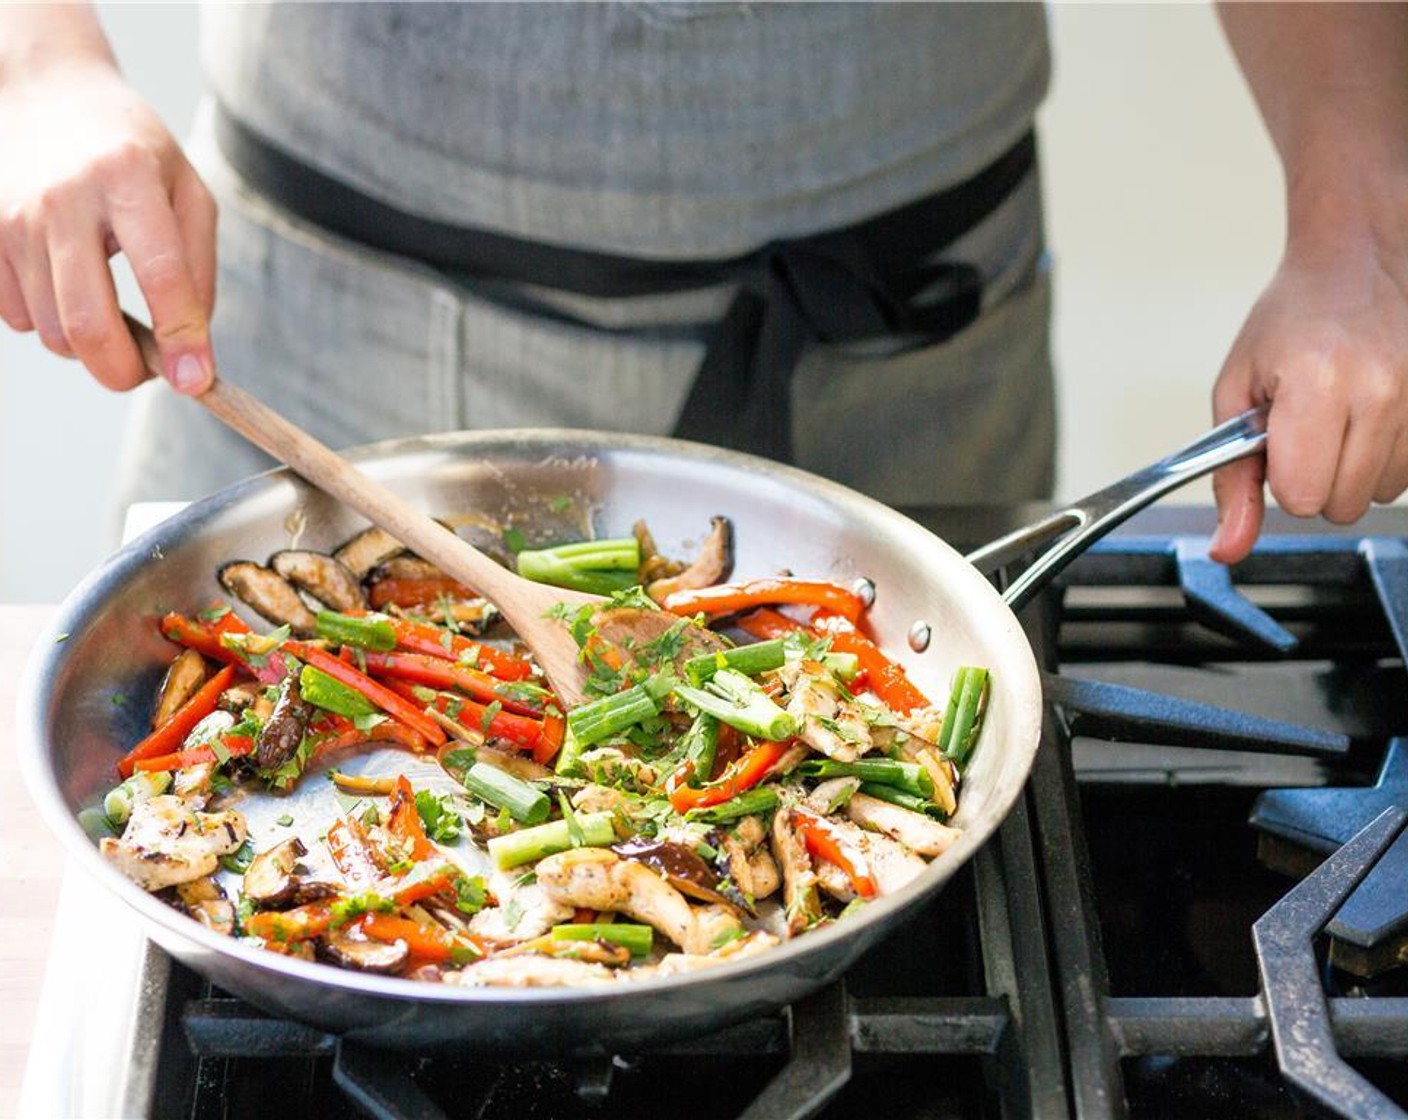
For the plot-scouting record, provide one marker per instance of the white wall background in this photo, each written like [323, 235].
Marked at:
[1165, 218]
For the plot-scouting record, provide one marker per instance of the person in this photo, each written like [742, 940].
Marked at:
[808, 231]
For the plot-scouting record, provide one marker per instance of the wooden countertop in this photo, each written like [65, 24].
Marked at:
[31, 863]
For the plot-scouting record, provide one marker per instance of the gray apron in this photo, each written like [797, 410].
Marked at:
[360, 343]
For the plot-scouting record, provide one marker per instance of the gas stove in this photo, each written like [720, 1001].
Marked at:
[1197, 909]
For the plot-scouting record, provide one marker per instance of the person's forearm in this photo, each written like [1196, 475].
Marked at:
[39, 35]
[1331, 82]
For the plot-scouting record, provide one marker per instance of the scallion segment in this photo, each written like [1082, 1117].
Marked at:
[525, 803]
[330, 694]
[122, 799]
[369, 632]
[736, 700]
[746, 804]
[638, 939]
[528, 844]
[907, 777]
[963, 718]
[903, 800]
[603, 718]
[596, 567]
[750, 660]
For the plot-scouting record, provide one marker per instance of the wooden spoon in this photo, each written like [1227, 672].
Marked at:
[522, 602]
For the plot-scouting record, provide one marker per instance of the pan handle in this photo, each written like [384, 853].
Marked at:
[1083, 522]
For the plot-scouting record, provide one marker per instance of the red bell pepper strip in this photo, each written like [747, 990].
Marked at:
[353, 853]
[299, 924]
[436, 641]
[765, 624]
[436, 672]
[403, 821]
[416, 592]
[747, 772]
[430, 943]
[886, 679]
[206, 639]
[390, 703]
[521, 731]
[824, 842]
[729, 598]
[550, 737]
[234, 746]
[423, 880]
[168, 738]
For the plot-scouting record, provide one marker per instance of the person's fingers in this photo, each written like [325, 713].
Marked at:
[87, 304]
[1238, 488]
[1368, 445]
[146, 228]
[36, 282]
[1241, 504]
[1305, 433]
[12, 306]
[196, 214]
[1394, 479]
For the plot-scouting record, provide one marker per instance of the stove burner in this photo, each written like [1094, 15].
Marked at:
[1323, 819]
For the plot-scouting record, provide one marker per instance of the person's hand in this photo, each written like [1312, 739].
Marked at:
[89, 171]
[1327, 346]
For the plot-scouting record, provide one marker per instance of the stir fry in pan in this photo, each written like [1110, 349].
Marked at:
[379, 778]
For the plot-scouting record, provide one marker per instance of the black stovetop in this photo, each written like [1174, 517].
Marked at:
[1120, 948]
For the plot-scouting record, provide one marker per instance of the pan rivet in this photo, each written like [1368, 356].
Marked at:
[866, 590]
[919, 635]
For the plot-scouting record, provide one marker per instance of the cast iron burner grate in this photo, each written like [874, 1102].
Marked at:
[1295, 668]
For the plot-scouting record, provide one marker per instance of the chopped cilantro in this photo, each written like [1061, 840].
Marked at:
[119, 699]
[560, 503]
[514, 540]
[284, 819]
[214, 614]
[470, 894]
[513, 914]
[239, 860]
[348, 909]
[61, 638]
[441, 819]
[490, 712]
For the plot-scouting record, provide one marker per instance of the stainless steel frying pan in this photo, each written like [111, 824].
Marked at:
[85, 698]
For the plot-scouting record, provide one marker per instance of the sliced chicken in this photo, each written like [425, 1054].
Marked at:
[166, 842]
[799, 895]
[766, 877]
[192, 784]
[677, 964]
[914, 830]
[891, 864]
[531, 971]
[825, 722]
[831, 794]
[525, 911]
[598, 879]
[715, 927]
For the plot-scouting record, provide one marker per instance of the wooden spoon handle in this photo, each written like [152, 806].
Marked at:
[290, 444]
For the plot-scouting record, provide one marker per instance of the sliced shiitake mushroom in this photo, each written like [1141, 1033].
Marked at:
[366, 550]
[362, 953]
[284, 730]
[272, 881]
[240, 696]
[408, 567]
[653, 564]
[204, 901]
[183, 679]
[269, 594]
[326, 579]
[682, 867]
[714, 564]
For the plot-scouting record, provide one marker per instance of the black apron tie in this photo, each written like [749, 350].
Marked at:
[867, 280]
